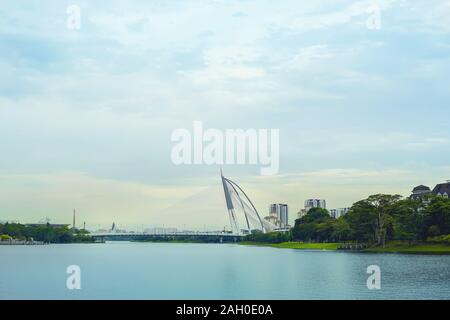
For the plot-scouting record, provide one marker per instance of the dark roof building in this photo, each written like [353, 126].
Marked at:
[442, 189]
[420, 191]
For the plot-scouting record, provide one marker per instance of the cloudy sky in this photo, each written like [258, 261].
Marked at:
[86, 115]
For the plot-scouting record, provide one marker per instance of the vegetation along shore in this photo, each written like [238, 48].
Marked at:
[16, 233]
[380, 223]
[391, 247]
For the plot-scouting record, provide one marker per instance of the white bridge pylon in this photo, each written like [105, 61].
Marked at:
[238, 202]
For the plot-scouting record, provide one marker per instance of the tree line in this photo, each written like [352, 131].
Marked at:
[45, 233]
[375, 220]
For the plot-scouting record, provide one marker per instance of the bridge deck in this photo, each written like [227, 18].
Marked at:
[196, 236]
[100, 234]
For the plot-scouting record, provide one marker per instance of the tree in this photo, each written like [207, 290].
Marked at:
[304, 232]
[45, 232]
[373, 216]
[271, 237]
[314, 226]
[383, 205]
[409, 219]
[361, 221]
[341, 230]
[324, 230]
[434, 231]
[314, 215]
[437, 213]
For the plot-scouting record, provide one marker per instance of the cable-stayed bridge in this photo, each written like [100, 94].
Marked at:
[184, 235]
[243, 215]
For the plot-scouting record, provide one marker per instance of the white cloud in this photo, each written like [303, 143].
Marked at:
[105, 99]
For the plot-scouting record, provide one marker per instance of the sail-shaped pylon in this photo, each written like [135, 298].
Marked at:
[241, 210]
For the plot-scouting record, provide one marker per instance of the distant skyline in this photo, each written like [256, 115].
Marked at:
[86, 115]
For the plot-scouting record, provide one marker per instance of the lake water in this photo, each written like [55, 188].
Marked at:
[121, 270]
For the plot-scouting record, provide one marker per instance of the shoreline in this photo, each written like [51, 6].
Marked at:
[22, 243]
[395, 247]
[391, 248]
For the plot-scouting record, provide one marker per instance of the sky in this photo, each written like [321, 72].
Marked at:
[86, 115]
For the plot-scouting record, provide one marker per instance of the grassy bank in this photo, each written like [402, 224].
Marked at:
[393, 247]
[422, 248]
[296, 245]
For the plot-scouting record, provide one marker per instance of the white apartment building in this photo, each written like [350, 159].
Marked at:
[315, 203]
[336, 213]
[312, 203]
[278, 214]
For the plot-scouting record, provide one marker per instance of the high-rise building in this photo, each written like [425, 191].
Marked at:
[315, 203]
[284, 215]
[336, 213]
[333, 213]
[279, 213]
[312, 203]
[273, 209]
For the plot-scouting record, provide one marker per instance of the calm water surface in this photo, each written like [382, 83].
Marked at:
[121, 270]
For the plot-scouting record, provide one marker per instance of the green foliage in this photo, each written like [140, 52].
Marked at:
[413, 248]
[45, 233]
[271, 237]
[440, 239]
[316, 225]
[437, 217]
[378, 210]
[4, 237]
[314, 215]
[434, 231]
[341, 230]
[408, 218]
[377, 219]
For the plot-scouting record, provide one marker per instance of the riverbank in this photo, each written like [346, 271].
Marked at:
[422, 248]
[295, 245]
[13, 242]
[394, 247]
